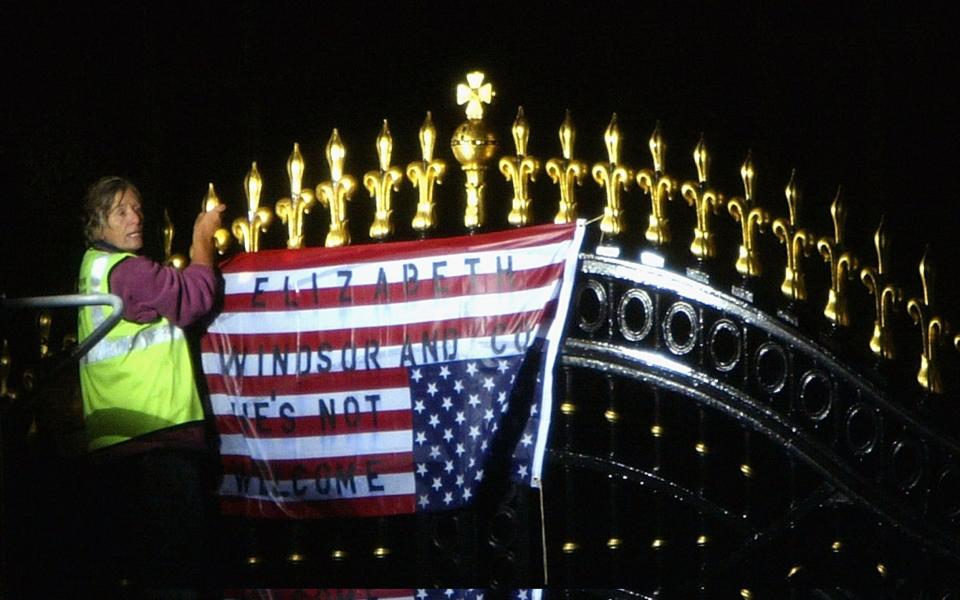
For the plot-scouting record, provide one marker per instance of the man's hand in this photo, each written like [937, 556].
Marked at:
[202, 250]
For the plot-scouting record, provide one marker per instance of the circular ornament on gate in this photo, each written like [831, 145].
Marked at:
[906, 463]
[592, 311]
[628, 327]
[816, 395]
[724, 345]
[771, 367]
[862, 426]
[681, 328]
[947, 492]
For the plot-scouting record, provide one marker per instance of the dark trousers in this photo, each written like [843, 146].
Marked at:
[151, 518]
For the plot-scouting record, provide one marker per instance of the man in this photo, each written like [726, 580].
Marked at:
[149, 454]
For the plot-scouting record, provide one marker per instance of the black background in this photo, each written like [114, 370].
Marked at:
[175, 95]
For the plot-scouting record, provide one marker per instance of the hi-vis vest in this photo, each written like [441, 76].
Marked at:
[137, 379]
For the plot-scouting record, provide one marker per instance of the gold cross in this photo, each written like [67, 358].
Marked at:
[475, 94]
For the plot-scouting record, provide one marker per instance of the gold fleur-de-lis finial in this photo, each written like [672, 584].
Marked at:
[291, 210]
[659, 187]
[843, 264]
[474, 145]
[44, 324]
[520, 169]
[475, 94]
[247, 230]
[423, 174]
[886, 296]
[381, 183]
[704, 200]
[6, 392]
[221, 237]
[933, 329]
[797, 241]
[752, 219]
[613, 178]
[566, 172]
[178, 261]
[334, 193]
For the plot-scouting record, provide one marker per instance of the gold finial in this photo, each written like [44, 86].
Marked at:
[933, 329]
[335, 193]
[705, 201]
[843, 264]
[178, 261]
[475, 94]
[614, 178]
[659, 187]
[6, 392]
[797, 241]
[886, 296]
[423, 174]
[221, 237]
[566, 172]
[291, 210]
[520, 169]
[473, 145]
[247, 231]
[44, 324]
[380, 183]
[752, 219]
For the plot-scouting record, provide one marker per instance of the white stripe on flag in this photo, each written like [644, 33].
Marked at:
[309, 488]
[521, 259]
[318, 446]
[306, 405]
[384, 315]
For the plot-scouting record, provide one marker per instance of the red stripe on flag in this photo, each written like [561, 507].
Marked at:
[310, 383]
[284, 260]
[308, 468]
[366, 295]
[319, 509]
[279, 427]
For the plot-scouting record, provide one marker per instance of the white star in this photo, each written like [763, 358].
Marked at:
[474, 400]
[416, 376]
[533, 409]
[493, 428]
[474, 432]
[447, 435]
[483, 446]
[503, 366]
[522, 471]
[458, 386]
[424, 501]
[434, 451]
[448, 466]
[460, 418]
[421, 438]
[478, 476]
[472, 369]
[447, 499]
[467, 494]
[513, 378]
[472, 462]
[505, 407]
[421, 594]
[460, 480]
[419, 407]
[488, 383]
[526, 440]
[502, 397]
[432, 388]
[448, 593]
[444, 372]
[447, 403]
[488, 415]
[421, 469]
[460, 450]
[434, 420]
[522, 595]
[436, 484]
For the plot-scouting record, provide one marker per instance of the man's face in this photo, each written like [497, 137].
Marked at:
[124, 226]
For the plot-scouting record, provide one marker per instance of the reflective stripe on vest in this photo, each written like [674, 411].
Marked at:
[111, 348]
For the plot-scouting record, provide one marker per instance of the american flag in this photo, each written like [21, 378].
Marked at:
[381, 594]
[381, 379]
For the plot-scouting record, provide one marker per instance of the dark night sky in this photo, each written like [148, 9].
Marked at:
[175, 95]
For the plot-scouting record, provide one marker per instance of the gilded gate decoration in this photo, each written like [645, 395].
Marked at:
[706, 438]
